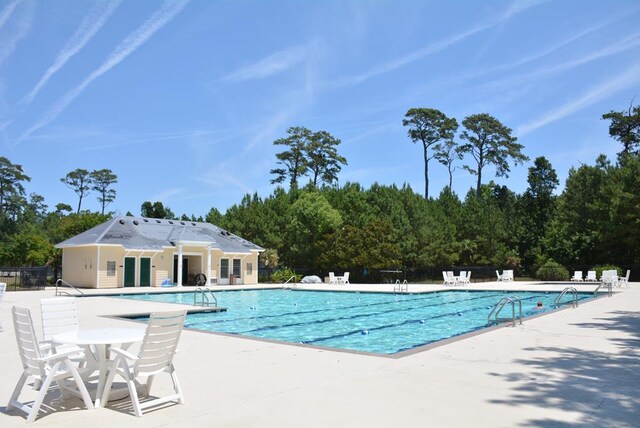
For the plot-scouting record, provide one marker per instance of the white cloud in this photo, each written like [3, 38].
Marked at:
[515, 8]
[5, 13]
[271, 65]
[88, 28]
[129, 45]
[630, 77]
[16, 29]
[166, 195]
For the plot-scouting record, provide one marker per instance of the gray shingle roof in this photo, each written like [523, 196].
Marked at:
[137, 233]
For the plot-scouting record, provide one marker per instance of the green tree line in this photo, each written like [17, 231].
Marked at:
[324, 226]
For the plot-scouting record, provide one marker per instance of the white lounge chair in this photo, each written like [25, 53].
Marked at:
[500, 277]
[591, 276]
[155, 356]
[332, 278]
[623, 281]
[577, 276]
[462, 278]
[448, 280]
[3, 287]
[345, 278]
[45, 370]
[507, 275]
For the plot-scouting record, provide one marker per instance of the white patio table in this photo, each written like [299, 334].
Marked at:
[97, 343]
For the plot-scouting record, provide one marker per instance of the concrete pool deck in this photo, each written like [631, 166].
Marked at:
[574, 367]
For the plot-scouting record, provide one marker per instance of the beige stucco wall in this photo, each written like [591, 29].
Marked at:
[84, 266]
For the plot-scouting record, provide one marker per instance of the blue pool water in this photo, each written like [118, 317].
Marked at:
[370, 322]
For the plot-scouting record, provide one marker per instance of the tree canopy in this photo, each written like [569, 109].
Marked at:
[489, 142]
[429, 126]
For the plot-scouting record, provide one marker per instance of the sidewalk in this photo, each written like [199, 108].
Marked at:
[575, 367]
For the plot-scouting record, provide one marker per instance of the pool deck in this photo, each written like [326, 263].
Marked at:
[573, 367]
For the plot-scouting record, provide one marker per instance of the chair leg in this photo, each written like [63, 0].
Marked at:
[176, 384]
[35, 408]
[109, 381]
[17, 390]
[80, 384]
[133, 392]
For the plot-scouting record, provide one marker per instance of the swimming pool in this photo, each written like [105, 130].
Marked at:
[380, 323]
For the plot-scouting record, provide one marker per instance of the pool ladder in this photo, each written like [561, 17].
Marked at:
[401, 287]
[495, 312]
[609, 286]
[574, 297]
[288, 285]
[207, 298]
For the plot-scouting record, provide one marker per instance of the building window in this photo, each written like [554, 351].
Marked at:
[249, 269]
[224, 268]
[236, 267]
[111, 268]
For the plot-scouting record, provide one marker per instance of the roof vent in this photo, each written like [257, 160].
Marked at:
[121, 221]
[135, 222]
[158, 221]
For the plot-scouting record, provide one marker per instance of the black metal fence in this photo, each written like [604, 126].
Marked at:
[377, 276]
[24, 278]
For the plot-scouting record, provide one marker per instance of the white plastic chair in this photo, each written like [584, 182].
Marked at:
[591, 276]
[345, 278]
[155, 356]
[462, 278]
[468, 280]
[507, 275]
[59, 315]
[449, 279]
[610, 277]
[332, 278]
[577, 276]
[45, 370]
[500, 277]
[3, 288]
[623, 281]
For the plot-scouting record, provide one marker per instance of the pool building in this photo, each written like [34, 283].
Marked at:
[146, 252]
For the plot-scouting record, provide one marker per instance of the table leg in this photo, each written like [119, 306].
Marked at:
[102, 370]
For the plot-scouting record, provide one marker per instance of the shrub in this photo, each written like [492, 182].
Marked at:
[282, 275]
[552, 271]
[599, 269]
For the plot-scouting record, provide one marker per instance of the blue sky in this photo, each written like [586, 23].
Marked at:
[183, 99]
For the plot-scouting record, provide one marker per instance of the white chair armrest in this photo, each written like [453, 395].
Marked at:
[62, 355]
[125, 354]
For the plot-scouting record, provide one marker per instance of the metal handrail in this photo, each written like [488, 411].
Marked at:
[205, 293]
[609, 288]
[401, 287]
[295, 282]
[61, 283]
[574, 300]
[500, 306]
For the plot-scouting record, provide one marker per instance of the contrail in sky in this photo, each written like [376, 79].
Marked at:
[129, 45]
[88, 28]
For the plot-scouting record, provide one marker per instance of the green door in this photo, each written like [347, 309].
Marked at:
[145, 272]
[129, 271]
